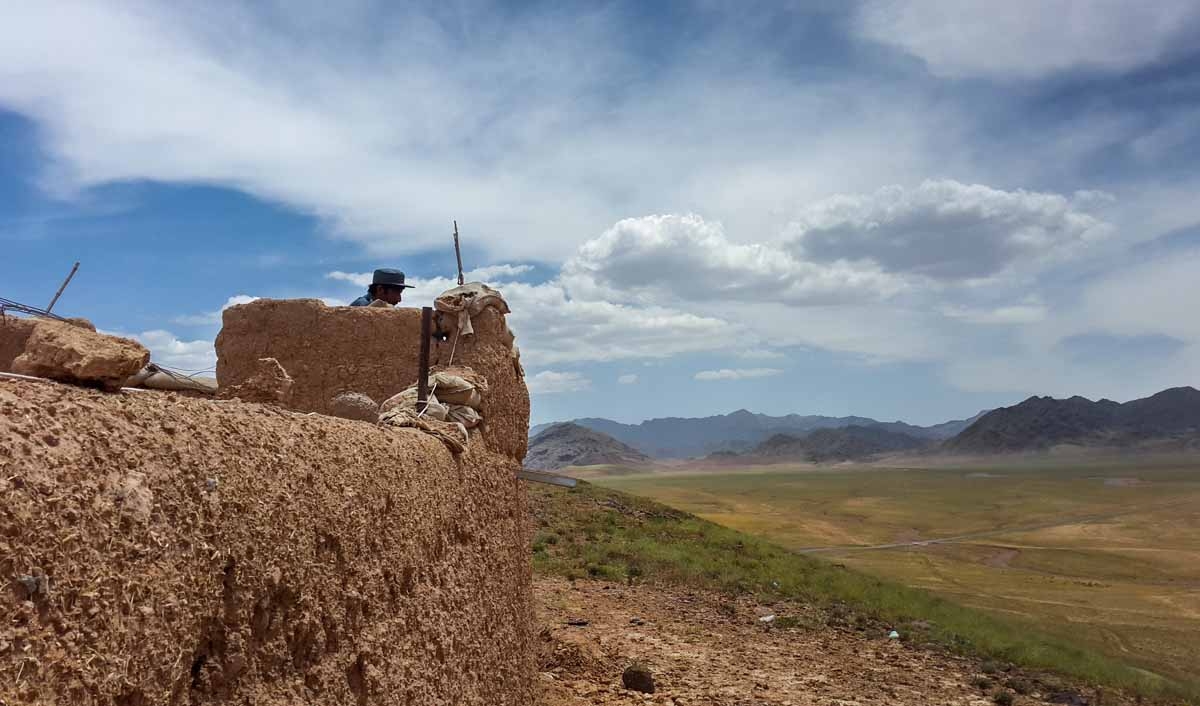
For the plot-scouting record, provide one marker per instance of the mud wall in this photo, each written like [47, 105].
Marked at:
[14, 332]
[156, 549]
[329, 350]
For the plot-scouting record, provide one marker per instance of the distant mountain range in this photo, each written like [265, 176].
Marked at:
[741, 431]
[566, 444]
[1169, 420]
[841, 444]
[1039, 423]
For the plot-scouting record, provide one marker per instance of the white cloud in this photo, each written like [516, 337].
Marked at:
[533, 137]
[168, 350]
[1029, 38]
[212, 317]
[496, 272]
[552, 326]
[945, 230]
[488, 274]
[760, 354]
[736, 373]
[627, 379]
[1024, 313]
[1143, 335]
[686, 257]
[362, 279]
[551, 382]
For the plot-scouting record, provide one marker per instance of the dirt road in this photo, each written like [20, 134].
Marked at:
[704, 649]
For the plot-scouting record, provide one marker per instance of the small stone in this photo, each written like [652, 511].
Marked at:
[638, 678]
[354, 405]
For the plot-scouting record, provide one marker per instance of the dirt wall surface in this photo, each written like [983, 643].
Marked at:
[158, 549]
[374, 351]
[14, 332]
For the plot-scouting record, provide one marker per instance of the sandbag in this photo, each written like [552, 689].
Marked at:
[457, 389]
[452, 434]
[408, 400]
[464, 415]
[468, 300]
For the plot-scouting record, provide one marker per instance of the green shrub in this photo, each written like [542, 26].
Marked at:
[1020, 685]
[981, 683]
[1003, 698]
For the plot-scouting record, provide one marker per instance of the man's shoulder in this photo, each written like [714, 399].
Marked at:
[361, 301]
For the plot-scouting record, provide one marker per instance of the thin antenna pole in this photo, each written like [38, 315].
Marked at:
[68, 281]
[458, 254]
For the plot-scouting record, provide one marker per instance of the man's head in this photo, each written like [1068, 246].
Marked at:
[388, 285]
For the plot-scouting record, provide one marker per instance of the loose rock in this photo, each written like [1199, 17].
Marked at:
[638, 678]
[70, 352]
[354, 405]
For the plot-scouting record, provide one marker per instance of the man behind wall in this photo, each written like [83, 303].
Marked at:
[387, 285]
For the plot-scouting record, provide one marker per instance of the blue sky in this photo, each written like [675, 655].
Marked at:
[902, 209]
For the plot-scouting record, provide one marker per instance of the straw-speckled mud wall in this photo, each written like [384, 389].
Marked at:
[156, 549]
[14, 332]
[328, 350]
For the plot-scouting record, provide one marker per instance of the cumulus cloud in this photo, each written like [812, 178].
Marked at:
[1030, 38]
[169, 350]
[490, 273]
[212, 317]
[627, 379]
[1023, 313]
[686, 257]
[532, 137]
[551, 382]
[736, 373]
[944, 230]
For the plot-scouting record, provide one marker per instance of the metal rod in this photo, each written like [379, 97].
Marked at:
[423, 364]
[6, 304]
[458, 254]
[64, 286]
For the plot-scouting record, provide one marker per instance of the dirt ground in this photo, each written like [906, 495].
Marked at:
[705, 650]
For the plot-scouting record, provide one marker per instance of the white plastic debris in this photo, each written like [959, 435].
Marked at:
[767, 619]
[894, 635]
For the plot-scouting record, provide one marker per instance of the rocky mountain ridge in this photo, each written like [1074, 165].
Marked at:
[567, 444]
[741, 431]
[1039, 423]
[841, 444]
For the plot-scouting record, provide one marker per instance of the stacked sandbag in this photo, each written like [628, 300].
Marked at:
[408, 400]
[455, 395]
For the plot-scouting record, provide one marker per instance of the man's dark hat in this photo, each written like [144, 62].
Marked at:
[390, 277]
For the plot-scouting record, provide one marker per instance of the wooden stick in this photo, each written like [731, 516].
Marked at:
[64, 286]
[458, 254]
[423, 363]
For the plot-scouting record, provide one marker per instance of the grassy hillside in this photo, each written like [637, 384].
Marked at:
[591, 531]
[1104, 554]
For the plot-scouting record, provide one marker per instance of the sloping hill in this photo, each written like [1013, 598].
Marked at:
[567, 444]
[1041, 422]
[740, 431]
[846, 443]
[632, 543]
